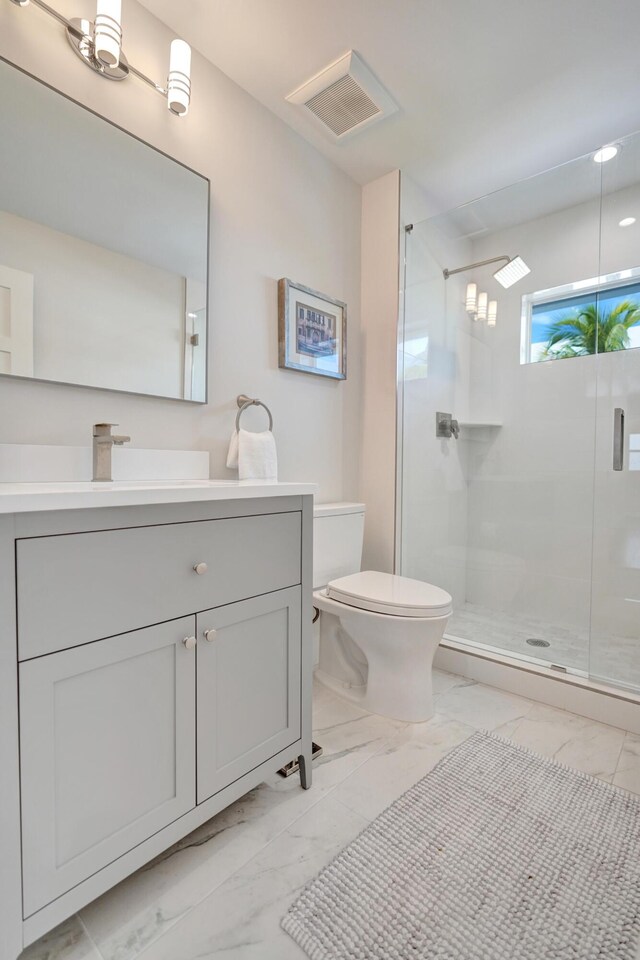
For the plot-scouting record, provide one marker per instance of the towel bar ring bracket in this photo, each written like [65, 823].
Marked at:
[245, 402]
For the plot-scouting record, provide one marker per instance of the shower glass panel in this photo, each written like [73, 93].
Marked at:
[615, 607]
[503, 517]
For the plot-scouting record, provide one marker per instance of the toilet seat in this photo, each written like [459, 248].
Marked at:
[392, 595]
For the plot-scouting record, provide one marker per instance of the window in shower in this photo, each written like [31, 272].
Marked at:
[580, 319]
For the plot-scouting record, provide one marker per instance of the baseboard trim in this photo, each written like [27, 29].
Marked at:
[597, 701]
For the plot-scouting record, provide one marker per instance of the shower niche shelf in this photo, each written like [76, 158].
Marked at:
[478, 429]
[479, 424]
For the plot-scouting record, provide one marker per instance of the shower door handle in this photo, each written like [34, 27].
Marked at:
[618, 438]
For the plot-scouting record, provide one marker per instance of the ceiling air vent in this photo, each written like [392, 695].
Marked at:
[344, 97]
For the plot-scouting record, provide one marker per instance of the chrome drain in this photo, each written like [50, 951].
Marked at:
[537, 642]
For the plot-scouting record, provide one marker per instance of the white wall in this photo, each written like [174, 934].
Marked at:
[380, 285]
[278, 209]
[99, 317]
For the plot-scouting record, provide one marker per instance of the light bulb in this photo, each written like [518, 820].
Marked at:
[492, 313]
[627, 221]
[107, 35]
[605, 154]
[482, 305]
[179, 81]
[471, 297]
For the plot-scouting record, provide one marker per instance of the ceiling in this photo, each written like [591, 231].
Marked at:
[489, 90]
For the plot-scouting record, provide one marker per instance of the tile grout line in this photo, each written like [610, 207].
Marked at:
[89, 937]
[626, 735]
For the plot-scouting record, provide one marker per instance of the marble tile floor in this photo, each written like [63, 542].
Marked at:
[221, 892]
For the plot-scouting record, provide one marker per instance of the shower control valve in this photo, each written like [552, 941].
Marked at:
[447, 426]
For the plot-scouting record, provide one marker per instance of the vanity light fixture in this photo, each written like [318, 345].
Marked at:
[605, 153]
[99, 46]
[627, 221]
[483, 299]
[107, 33]
[471, 300]
[179, 82]
[492, 313]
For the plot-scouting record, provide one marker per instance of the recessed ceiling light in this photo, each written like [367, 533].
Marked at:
[605, 153]
[627, 221]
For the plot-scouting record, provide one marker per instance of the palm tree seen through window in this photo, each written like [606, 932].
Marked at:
[586, 325]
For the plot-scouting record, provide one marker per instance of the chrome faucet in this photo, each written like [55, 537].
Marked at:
[103, 442]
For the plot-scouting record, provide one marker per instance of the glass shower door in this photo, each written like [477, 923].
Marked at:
[501, 517]
[615, 608]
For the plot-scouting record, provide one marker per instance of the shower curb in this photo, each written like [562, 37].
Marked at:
[587, 698]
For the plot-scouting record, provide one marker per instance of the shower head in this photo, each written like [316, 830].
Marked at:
[512, 271]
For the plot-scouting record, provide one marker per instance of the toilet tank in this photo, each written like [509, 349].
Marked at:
[338, 531]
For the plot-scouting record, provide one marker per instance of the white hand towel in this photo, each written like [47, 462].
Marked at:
[254, 454]
[232, 456]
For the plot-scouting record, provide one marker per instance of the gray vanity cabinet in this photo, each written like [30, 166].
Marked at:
[248, 686]
[106, 751]
[156, 666]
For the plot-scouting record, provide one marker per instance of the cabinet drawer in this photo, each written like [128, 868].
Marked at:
[76, 588]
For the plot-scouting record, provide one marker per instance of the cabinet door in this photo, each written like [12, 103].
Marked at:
[107, 738]
[248, 686]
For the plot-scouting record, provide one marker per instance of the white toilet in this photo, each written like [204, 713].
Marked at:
[378, 632]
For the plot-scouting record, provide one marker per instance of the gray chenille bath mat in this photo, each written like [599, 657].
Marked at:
[497, 854]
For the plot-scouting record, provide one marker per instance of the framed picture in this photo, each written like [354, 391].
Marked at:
[312, 331]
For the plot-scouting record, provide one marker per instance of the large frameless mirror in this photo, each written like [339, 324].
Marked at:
[103, 251]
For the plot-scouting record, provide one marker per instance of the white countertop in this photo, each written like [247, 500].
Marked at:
[34, 497]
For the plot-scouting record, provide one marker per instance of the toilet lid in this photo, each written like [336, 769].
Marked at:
[387, 593]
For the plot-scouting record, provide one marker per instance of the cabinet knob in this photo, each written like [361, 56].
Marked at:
[189, 642]
[210, 635]
[200, 568]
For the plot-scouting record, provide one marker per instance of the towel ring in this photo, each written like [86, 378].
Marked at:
[244, 403]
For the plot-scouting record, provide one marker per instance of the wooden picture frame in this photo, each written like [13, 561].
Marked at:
[312, 331]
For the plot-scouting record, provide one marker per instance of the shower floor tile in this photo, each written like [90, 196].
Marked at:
[568, 646]
[613, 659]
